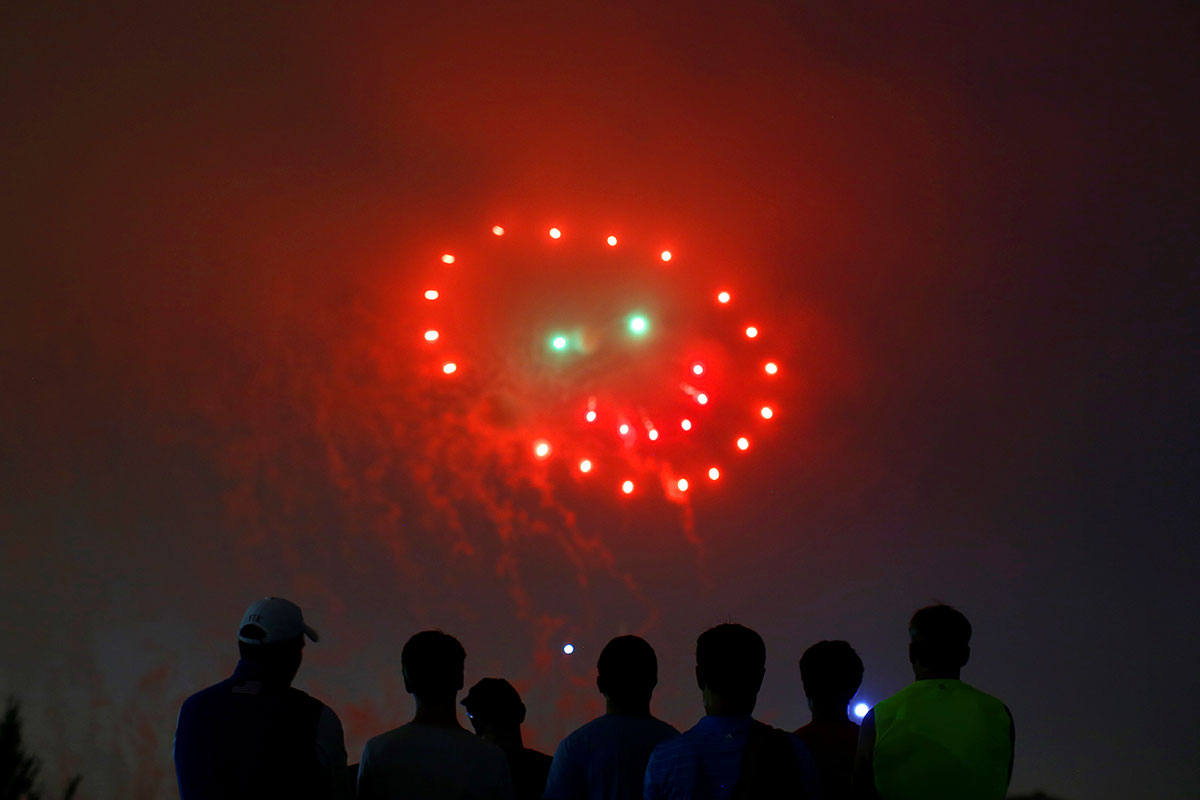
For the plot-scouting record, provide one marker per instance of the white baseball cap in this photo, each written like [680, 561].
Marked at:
[279, 619]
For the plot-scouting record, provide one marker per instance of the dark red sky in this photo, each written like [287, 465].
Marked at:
[975, 222]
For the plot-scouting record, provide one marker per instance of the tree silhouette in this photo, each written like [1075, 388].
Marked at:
[18, 769]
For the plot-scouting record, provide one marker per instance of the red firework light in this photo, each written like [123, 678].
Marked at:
[629, 366]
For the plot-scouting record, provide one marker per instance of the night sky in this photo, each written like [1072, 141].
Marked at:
[969, 230]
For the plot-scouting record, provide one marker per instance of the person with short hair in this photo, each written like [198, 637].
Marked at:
[729, 754]
[254, 735]
[606, 758]
[433, 757]
[831, 673]
[496, 712]
[938, 738]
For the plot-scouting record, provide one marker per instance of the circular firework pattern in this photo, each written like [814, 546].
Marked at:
[597, 358]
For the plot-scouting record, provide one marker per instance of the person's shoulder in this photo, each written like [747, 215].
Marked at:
[803, 752]
[623, 725]
[468, 739]
[677, 742]
[979, 692]
[585, 732]
[205, 695]
[485, 752]
[990, 701]
[303, 698]
[460, 740]
[662, 727]
[385, 740]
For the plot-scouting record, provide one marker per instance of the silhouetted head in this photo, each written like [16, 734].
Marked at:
[494, 707]
[940, 639]
[432, 663]
[627, 671]
[271, 637]
[730, 663]
[831, 673]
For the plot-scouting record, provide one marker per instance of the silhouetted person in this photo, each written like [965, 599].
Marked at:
[831, 673]
[253, 735]
[938, 738]
[606, 758]
[727, 753]
[496, 713]
[433, 757]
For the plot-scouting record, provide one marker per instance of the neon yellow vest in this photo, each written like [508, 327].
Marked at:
[941, 740]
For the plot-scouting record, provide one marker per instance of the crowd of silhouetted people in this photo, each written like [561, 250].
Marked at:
[255, 736]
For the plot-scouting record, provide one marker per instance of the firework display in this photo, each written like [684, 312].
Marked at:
[598, 356]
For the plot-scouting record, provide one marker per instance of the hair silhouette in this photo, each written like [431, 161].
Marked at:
[731, 660]
[940, 637]
[627, 670]
[433, 664]
[831, 672]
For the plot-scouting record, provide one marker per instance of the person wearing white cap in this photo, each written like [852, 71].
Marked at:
[255, 736]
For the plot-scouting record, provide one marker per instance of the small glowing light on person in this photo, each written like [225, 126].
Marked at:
[431, 294]
[723, 297]
[447, 258]
[627, 487]
[585, 466]
[555, 233]
[771, 368]
[568, 648]
[861, 709]
[686, 424]
[590, 416]
[449, 367]
[498, 230]
[612, 241]
[682, 483]
[653, 434]
[751, 332]
[431, 336]
[666, 255]
[559, 343]
[541, 449]
[743, 443]
[638, 324]
[702, 399]
[624, 429]
[767, 412]
[713, 473]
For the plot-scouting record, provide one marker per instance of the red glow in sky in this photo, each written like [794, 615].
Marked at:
[965, 236]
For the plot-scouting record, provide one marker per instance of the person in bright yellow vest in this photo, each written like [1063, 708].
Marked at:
[938, 738]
